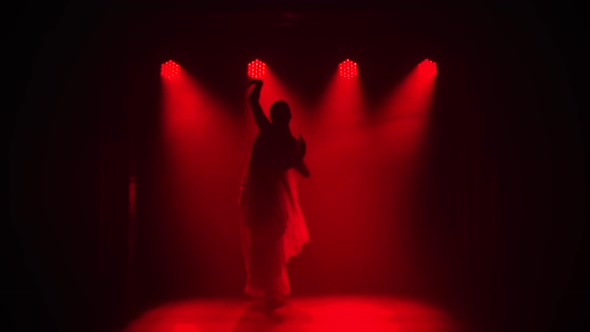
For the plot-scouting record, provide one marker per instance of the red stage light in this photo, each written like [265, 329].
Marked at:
[348, 69]
[256, 69]
[169, 69]
[427, 68]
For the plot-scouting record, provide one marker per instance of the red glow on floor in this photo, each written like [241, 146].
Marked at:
[185, 327]
[169, 69]
[313, 314]
[348, 69]
[256, 69]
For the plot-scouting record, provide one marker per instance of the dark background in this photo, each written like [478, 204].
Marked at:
[504, 223]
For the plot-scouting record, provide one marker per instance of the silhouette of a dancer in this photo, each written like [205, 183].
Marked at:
[273, 227]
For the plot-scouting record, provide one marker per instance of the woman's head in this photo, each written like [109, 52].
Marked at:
[280, 113]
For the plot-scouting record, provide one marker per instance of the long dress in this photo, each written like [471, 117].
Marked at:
[273, 227]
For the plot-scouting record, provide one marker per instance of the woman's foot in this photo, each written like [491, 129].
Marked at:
[274, 302]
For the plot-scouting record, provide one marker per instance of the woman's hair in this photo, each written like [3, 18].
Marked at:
[280, 112]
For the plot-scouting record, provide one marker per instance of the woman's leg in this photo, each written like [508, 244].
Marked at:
[277, 286]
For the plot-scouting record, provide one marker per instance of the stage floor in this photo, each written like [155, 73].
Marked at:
[327, 313]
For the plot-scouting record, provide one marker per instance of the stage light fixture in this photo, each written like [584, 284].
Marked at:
[427, 68]
[256, 69]
[348, 69]
[169, 69]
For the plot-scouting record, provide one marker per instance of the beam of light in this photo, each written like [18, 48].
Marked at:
[200, 178]
[256, 69]
[191, 114]
[190, 127]
[396, 135]
[342, 106]
[342, 196]
[401, 122]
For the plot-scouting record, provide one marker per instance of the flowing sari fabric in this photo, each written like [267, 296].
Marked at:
[272, 226]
